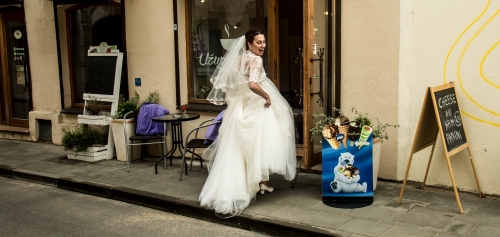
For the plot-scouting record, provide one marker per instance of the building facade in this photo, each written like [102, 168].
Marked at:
[377, 56]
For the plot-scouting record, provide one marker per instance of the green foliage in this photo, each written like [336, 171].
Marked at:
[153, 98]
[82, 137]
[126, 106]
[93, 106]
[380, 130]
[318, 127]
[361, 118]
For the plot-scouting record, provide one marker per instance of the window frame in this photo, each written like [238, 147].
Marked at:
[71, 51]
[189, 59]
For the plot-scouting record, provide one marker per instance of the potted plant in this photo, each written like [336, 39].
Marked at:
[153, 98]
[92, 112]
[117, 123]
[131, 105]
[93, 106]
[379, 133]
[85, 143]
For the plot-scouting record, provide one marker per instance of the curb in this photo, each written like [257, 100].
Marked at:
[178, 206]
[5, 171]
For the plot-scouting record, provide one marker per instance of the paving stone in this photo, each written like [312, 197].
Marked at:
[387, 190]
[194, 181]
[406, 204]
[481, 204]
[369, 212]
[16, 163]
[442, 200]
[293, 214]
[483, 230]
[280, 194]
[127, 182]
[428, 217]
[392, 219]
[491, 218]
[76, 171]
[447, 234]
[324, 208]
[328, 220]
[366, 227]
[459, 227]
[47, 167]
[304, 200]
[182, 191]
[410, 192]
[193, 196]
[398, 231]
[156, 187]
[263, 208]
[379, 200]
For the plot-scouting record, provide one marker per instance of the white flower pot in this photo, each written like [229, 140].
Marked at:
[92, 154]
[376, 149]
[119, 139]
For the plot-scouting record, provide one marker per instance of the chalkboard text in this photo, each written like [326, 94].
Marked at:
[450, 118]
[447, 101]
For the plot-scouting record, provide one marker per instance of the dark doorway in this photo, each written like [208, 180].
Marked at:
[290, 23]
[290, 40]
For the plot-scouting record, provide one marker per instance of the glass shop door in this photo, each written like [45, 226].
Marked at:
[14, 73]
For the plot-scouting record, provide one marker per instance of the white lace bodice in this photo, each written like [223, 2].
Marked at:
[254, 68]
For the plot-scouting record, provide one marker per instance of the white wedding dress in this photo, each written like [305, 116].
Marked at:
[253, 142]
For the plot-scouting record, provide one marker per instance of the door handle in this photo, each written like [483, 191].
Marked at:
[298, 60]
[320, 92]
[275, 70]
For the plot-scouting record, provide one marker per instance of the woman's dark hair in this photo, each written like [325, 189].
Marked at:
[250, 36]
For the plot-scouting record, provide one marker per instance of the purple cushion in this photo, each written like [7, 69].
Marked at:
[145, 125]
[213, 130]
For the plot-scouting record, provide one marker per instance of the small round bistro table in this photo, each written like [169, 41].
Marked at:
[177, 141]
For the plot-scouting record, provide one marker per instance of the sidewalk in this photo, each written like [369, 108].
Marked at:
[285, 212]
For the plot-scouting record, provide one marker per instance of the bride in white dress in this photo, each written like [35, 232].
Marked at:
[256, 137]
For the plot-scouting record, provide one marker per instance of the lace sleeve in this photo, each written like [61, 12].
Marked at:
[255, 69]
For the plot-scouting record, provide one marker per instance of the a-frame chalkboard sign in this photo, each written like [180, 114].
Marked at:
[441, 113]
[103, 83]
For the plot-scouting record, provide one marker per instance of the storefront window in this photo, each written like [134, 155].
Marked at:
[91, 25]
[214, 25]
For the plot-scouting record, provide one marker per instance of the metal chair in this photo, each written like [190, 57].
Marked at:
[191, 145]
[141, 138]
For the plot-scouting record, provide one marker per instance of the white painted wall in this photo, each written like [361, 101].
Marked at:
[450, 39]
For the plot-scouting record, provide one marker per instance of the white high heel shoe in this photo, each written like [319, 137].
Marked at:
[264, 188]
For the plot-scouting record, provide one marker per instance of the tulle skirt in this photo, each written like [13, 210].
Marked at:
[253, 143]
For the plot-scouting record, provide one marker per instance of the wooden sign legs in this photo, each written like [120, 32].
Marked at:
[441, 113]
[457, 198]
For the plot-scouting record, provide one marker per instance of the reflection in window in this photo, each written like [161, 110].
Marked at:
[213, 27]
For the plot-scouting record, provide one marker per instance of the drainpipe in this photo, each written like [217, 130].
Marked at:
[59, 65]
[338, 56]
[329, 82]
[176, 53]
